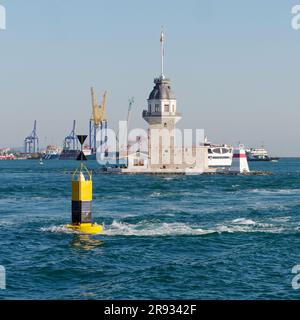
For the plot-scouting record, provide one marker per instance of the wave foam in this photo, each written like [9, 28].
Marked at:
[144, 229]
[155, 195]
[244, 221]
[163, 229]
[58, 229]
[275, 191]
[148, 229]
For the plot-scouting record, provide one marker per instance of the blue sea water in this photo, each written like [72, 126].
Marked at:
[166, 237]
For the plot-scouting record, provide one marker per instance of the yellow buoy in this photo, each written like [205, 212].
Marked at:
[82, 196]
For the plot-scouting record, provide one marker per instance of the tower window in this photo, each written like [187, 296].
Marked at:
[156, 108]
[167, 108]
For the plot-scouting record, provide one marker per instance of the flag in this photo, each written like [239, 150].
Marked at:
[162, 37]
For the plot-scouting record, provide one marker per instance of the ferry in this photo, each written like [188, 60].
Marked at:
[72, 154]
[52, 153]
[259, 154]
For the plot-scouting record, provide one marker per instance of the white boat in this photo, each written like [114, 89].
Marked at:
[219, 155]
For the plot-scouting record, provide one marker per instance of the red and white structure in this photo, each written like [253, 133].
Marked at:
[239, 161]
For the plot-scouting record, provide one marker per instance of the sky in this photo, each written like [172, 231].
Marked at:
[234, 67]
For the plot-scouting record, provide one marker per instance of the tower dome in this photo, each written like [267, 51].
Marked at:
[162, 90]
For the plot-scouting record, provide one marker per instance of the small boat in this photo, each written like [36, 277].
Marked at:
[41, 161]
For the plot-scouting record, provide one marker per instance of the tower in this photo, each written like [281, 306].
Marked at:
[166, 153]
[162, 117]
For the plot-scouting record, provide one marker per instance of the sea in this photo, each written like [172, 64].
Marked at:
[165, 237]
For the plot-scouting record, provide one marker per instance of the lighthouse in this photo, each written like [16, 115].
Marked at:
[162, 117]
[166, 155]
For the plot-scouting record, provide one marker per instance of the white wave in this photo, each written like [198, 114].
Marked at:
[155, 195]
[253, 226]
[232, 229]
[275, 191]
[159, 229]
[249, 228]
[4, 223]
[150, 229]
[244, 221]
[144, 229]
[57, 229]
[169, 178]
[281, 219]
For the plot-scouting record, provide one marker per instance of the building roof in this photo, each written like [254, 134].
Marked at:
[162, 90]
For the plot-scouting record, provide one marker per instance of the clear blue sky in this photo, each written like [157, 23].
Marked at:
[234, 66]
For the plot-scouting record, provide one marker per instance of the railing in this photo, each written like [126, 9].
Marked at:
[159, 114]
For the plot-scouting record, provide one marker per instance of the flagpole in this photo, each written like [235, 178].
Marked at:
[162, 36]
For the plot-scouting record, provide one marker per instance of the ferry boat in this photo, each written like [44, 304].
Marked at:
[52, 153]
[259, 154]
[67, 154]
[72, 154]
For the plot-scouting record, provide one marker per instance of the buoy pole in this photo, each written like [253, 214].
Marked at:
[82, 197]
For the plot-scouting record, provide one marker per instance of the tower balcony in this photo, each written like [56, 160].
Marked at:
[147, 114]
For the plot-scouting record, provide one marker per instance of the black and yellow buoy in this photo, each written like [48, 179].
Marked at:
[82, 196]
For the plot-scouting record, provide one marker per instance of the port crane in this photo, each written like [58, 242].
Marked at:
[98, 123]
[130, 105]
[31, 143]
[71, 142]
